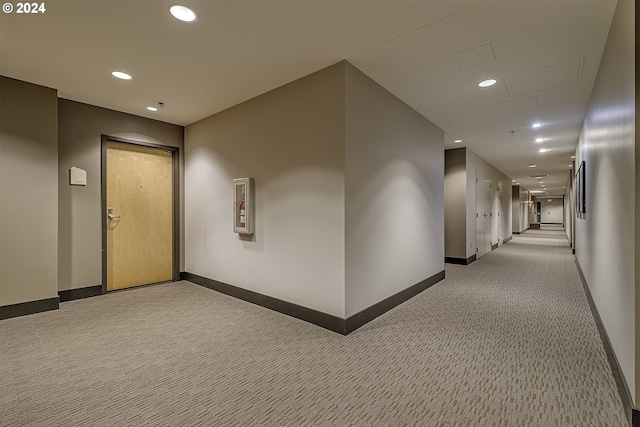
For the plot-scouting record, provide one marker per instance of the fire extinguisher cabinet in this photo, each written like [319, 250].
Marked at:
[243, 209]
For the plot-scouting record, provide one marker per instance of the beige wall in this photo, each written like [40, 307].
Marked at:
[461, 190]
[551, 212]
[394, 192]
[520, 209]
[28, 192]
[476, 164]
[81, 127]
[291, 141]
[605, 247]
[455, 203]
[349, 193]
[569, 211]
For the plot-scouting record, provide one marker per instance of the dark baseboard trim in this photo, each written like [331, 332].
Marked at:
[633, 415]
[31, 307]
[508, 239]
[494, 247]
[368, 314]
[73, 294]
[327, 321]
[318, 318]
[460, 261]
[516, 232]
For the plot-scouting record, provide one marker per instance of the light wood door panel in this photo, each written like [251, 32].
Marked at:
[140, 192]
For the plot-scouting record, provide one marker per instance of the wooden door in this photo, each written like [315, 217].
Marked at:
[139, 215]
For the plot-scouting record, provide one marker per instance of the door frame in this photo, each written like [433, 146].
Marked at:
[175, 161]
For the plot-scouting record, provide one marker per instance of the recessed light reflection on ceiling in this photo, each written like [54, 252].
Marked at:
[487, 83]
[183, 13]
[121, 75]
[545, 150]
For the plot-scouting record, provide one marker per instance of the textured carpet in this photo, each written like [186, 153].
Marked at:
[506, 341]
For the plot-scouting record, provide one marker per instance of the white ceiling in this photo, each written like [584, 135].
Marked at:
[431, 53]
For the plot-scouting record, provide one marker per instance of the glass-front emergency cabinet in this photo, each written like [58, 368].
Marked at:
[243, 210]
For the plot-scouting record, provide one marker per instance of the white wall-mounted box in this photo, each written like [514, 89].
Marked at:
[243, 205]
[77, 176]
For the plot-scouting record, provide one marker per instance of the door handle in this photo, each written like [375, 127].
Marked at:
[111, 216]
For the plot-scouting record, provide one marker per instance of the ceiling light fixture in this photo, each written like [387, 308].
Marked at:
[545, 150]
[152, 109]
[573, 157]
[183, 13]
[457, 141]
[539, 139]
[532, 165]
[121, 75]
[487, 83]
[536, 125]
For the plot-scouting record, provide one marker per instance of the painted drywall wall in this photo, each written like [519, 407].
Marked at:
[569, 211]
[605, 245]
[552, 212]
[455, 203]
[462, 190]
[81, 127]
[501, 225]
[520, 209]
[394, 192]
[291, 141]
[28, 192]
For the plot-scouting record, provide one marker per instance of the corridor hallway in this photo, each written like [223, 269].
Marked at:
[508, 340]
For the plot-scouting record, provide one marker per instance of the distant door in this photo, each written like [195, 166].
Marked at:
[483, 214]
[139, 199]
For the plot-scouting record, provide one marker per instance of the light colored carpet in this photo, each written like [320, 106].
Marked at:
[506, 341]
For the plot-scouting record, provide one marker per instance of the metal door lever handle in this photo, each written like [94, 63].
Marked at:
[110, 216]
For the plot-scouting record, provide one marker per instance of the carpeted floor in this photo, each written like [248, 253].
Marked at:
[506, 341]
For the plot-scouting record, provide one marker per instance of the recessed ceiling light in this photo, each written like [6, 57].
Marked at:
[544, 150]
[121, 75]
[573, 157]
[457, 141]
[183, 13]
[539, 139]
[152, 109]
[487, 83]
[532, 165]
[536, 125]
